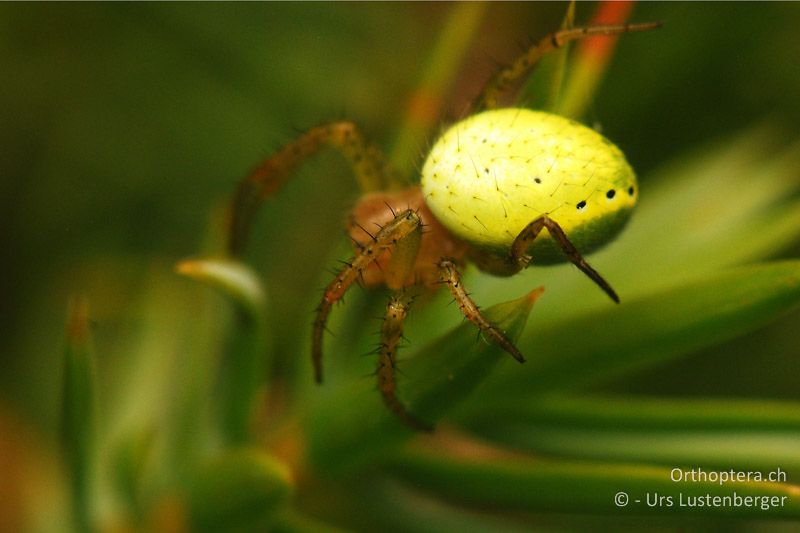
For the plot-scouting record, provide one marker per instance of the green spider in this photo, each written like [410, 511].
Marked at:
[489, 186]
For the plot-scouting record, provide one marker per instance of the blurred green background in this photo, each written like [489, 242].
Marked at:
[125, 127]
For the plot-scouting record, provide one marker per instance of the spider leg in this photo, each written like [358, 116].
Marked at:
[521, 259]
[370, 167]
[393, 235]
[391, 334]
[524, 64]
[448, 273]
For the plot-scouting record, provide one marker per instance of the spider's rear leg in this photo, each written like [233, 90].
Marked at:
[519, 258]
[501, 82]
[391, 334]
[448, 273]
[402, 235]
[371, 169]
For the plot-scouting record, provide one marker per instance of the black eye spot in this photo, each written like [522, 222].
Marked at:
[581, 205]
[630, 190]
[537, 180]
[610, 194]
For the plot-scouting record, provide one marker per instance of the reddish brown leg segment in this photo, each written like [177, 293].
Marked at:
[450, 275]
[504, 79]
[371, 170]
[391, 333]
[403, 225]
[519, 250]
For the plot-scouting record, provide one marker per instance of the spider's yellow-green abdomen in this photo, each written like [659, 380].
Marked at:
[490, 175]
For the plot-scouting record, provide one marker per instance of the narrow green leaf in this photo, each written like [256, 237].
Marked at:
[591, 62]
[240, 490]
[650, 330]
[232, 278]
[522, 483]
[748, 211]
[293, 522]
[349, 426]
[445, 372]
[722, 449]
[744, 213]
[165, 380]
[78, 422]
[644, 412]
[713, 433]
[243, 373]
[396, 506]
[132, 459]
[425, 109]
[543, 89]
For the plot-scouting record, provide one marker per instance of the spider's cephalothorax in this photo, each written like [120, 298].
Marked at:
[489, 186]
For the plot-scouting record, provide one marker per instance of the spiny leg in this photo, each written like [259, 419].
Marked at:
[391, 334]
[505, 78]
[405, 225]
[371, 170]
[519, 251]
[448, 273]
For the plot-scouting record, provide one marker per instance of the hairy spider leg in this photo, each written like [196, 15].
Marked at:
[404, 224]
[523, 65]
[391, 334]
[519, 251]
[449, 274]
[371, 169]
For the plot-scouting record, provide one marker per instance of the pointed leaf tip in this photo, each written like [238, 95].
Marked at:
[233, 278]
[78, 320]
[241, 376]
[78, 404]
[651, 329]
[535, 294]
[512, 316]
[240, 490]
[353, 427]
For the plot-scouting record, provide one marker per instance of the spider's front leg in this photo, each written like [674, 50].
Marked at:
[448, 273]
[401, 236]
[391, 334]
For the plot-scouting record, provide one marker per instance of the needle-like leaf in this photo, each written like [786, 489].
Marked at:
[349, 425]
[244, 372]
[650, 329]
[240, 490]
[746, 434]
[527, 484]
[79, 415]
